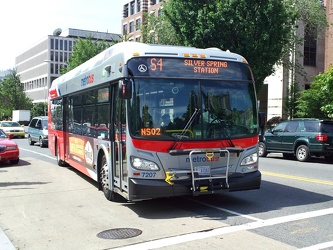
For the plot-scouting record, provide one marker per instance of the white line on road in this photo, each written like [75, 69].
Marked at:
[37, 153]
[225, 230]
[5, 243]
[226, 210]
[319, 246]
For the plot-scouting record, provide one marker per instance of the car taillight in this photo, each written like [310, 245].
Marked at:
[321, 138]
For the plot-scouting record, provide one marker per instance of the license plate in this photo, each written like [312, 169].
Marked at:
[202, 170]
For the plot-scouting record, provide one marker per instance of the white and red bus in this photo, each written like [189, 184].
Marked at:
[150, 121]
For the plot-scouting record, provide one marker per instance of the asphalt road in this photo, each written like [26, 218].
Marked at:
[44, 206]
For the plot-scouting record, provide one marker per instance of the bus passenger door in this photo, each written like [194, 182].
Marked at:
[120, 168]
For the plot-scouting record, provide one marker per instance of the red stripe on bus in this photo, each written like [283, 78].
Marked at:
[164, 146]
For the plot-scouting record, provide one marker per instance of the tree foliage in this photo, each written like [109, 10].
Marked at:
[318, 100]
[292, 96]
[263, 31]
[256, 29]
[12, 95]
[83, 50]
[39, 109]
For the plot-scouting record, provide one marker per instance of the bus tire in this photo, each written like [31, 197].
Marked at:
[60, 162]
[104, 181]
[262, 149]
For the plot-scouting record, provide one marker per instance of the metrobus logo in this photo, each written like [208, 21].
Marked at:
[203, 159]
[88, 79]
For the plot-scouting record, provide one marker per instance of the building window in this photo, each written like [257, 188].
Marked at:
[65, 45]
[125, 14]
[132, 8]
[310, 46]
[153, 2]
[52, 43]
[137, 24]
[131, 27]
[61, 44]
[125, 28]
[138, 5]
[56, 44]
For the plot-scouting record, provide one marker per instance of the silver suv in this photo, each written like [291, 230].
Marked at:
[38, 131]
[302, 138]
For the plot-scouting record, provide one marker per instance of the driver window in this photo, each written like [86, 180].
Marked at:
[280, 127]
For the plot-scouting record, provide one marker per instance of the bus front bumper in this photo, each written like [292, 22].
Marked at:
[141, 189]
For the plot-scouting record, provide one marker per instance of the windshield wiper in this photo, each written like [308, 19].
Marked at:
[185, 129]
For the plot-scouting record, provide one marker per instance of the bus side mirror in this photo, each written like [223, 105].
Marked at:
[125, 89]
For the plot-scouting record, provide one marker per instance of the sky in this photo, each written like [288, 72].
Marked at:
[23, 23]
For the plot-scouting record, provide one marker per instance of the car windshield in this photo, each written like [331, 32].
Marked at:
[192, 109]
[10, 124]
[44, 123]
[2, 134]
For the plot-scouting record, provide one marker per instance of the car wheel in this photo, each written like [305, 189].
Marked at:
[302, 153]
[287, 155]
[262, 149]
[30, 141]
[329, 158]
[14, 161]
[41, 142]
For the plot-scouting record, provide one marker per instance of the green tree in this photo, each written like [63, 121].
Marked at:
[291, 99]
[256, 29]
[318, 100]
[263, 31]
[158, 30]
[83, 50]
[39, 109]
[123, 38]
[12, 95]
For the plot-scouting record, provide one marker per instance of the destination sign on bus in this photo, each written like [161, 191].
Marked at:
[188, 67]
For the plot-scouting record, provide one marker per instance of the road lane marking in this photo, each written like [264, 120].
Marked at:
[5, 243]
[319, 246]
[180, 239]
[226, 210]
[293, 177]
[37, 153]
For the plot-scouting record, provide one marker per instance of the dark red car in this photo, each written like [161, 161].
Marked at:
[9, 151]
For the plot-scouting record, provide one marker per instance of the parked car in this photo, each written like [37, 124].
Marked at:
[38, 131]
[9, 151]
[14, 128]
[302, 138]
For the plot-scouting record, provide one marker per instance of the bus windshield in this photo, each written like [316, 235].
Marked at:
[192, 109]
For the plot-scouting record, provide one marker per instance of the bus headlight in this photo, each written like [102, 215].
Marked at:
[251, 159]
[142, 164]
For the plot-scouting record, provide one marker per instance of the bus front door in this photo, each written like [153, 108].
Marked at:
[120, 168]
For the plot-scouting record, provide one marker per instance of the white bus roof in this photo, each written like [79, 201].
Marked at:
[106, 66]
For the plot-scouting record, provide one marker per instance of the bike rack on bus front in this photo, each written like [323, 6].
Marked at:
[202, 169]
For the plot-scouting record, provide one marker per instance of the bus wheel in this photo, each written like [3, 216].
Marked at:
[60, 162]
[104, 181]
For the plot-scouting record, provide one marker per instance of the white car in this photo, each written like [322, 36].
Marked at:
[14, 128]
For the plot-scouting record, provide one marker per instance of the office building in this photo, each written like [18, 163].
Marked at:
[39, 65]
